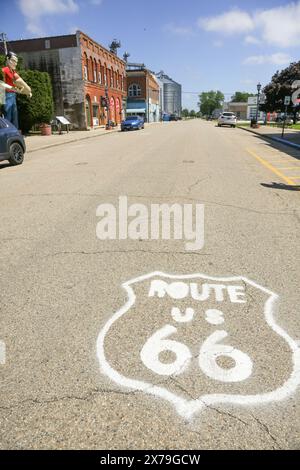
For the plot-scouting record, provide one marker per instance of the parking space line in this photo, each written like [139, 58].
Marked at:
[271, 167]
[290, 168]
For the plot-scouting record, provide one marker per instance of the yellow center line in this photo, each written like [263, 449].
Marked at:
[289, 168]
[271, 167]
[278, 161]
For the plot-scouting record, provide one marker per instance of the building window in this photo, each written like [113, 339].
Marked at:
[90, 69]
[134, 90]
[85, 71]
[95, 71]
[111, 78]
[105, 76]
[47, 44]
[100, 74]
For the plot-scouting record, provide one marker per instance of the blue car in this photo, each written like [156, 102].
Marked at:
[12, 144]
[132, 123]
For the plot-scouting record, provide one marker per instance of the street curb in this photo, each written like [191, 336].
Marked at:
[275, 139]
[70, 141]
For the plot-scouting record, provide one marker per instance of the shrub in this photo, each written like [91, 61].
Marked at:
[38, 109]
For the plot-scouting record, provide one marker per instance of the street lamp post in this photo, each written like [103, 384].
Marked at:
[107, 107]
[257, 106]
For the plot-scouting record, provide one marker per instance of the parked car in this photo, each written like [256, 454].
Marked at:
[132, 123]
[227, 119]
[12, 144]
[173, 117]
[287, 119]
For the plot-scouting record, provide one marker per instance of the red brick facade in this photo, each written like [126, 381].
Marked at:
[149, 86]
[101, 68]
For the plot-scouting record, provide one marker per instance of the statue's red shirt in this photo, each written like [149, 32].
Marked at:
[9, 77]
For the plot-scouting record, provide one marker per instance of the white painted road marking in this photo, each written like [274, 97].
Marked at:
[200, 287]
[158, 343]
[211, 350]
[2, 352]
[214, 316]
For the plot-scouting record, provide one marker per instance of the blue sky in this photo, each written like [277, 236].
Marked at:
[204, 45]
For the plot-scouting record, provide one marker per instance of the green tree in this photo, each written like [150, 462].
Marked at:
[210, 100]
[193, 113]
[240, 97]
[279, 87]
[39, 108]
[185, 113]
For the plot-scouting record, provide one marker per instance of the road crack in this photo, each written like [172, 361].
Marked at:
[100, 252]
[267, 430]
[88, 397]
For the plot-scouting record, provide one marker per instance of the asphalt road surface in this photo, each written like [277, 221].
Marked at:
[200, 349]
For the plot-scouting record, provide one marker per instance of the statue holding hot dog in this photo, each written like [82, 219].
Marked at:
[13, 84]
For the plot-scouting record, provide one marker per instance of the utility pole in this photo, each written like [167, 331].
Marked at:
[4, 40]
[287, 101]
[257, 105]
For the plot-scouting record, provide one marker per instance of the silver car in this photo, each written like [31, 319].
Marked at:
[227, 119]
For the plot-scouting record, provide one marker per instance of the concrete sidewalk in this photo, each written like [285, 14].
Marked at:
[291, 136]
[39, 142]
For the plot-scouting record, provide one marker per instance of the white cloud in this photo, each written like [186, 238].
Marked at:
[178, 30]
[252, 40]
[279, 26]
[73, 29]
[232, 22]
[278, 58]
[34, 10]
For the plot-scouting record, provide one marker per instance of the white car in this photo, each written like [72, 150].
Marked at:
[227, 119]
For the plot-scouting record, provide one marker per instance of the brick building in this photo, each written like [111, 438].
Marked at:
[82, 72]
[142, 93]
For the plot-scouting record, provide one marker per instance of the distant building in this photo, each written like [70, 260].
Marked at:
[142, 93]
[238, 108]
[244, 110]
[171, 94]
[83, 74]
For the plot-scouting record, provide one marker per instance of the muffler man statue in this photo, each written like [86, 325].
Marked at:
[13, 84]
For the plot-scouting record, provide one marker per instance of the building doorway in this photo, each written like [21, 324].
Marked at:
[112, 109]
[88, 111]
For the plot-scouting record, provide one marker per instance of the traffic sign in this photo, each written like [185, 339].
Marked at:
[287, 100]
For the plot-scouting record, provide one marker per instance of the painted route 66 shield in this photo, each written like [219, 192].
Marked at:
[196, 340]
